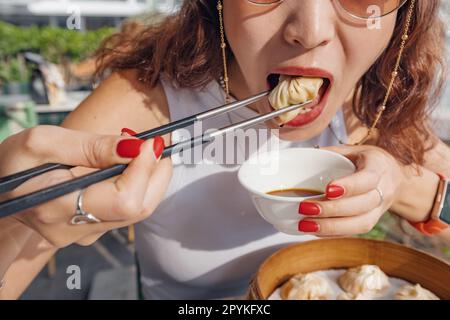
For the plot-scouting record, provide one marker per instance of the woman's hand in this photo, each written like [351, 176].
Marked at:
[354, 204]
[117, 202]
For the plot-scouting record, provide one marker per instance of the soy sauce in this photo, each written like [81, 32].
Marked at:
[295, 193]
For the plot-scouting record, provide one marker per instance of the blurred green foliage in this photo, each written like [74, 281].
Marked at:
[446, 252]
[52, 43]
[14, 69]
[380, 231]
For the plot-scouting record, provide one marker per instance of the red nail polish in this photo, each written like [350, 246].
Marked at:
[309, 209]
[158, 146]
[129, 131]
[308, 226]
[335, 191]
[129, 148]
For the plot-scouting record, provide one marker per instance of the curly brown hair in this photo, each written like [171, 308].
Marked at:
[186, 48]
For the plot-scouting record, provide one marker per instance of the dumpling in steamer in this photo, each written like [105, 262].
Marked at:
[291, 91]
[307, 287]
[368, 280]
[410, 292]
[351, 296]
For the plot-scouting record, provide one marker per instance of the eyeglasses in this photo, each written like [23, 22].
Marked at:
[362, 9]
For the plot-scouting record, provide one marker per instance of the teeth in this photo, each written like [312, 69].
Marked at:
[306, 110]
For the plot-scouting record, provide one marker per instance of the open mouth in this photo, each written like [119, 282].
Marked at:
[312, 111]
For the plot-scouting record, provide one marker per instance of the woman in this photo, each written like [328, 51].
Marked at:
[29, 239]
[205, 239]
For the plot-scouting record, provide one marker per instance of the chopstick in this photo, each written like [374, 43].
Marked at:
[12, 206]
[10, 182]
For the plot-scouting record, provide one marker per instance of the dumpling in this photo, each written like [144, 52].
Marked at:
[351, 296]
[368, 280]
[307, 287]
[291, 91]
[410, 292]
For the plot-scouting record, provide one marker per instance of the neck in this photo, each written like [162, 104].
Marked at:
[356, 131]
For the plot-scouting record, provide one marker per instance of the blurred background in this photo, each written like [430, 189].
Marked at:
[46, 70]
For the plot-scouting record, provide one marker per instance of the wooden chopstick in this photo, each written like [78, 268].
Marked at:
[12, 206]
[11, 182]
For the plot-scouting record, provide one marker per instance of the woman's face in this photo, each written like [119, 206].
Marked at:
[309, 38]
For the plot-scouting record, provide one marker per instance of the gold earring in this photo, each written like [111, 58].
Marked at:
[223, 46]
[382, 108]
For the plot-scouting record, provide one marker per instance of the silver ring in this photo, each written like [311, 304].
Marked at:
[82, 217]
[381, 196]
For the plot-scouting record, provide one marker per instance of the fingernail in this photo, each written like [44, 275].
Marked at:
[309, 209]
[129, 148]
[158, 146]
[308, 226]
[335, 191]
[129, 131]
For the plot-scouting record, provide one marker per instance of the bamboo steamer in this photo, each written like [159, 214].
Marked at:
[394, 259]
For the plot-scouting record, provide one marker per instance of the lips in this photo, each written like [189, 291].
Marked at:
[314, 109]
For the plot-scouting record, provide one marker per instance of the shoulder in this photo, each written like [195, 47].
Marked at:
[121, 100]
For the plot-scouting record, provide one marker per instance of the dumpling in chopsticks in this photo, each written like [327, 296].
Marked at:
[368, 280]
[410, 292]
[291, 91]
[307, 287]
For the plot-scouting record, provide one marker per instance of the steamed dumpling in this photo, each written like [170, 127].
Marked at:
[368, 280]
[307, 287]
[291, 91]
[410, 292]
[351, 296]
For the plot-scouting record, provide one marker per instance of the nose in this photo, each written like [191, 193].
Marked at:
[310, 23]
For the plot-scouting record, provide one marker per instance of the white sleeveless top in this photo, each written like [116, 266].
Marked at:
[206, 239]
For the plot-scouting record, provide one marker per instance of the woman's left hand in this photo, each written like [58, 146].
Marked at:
[355, 203]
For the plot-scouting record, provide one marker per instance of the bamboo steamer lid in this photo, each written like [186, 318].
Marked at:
[394, 259]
